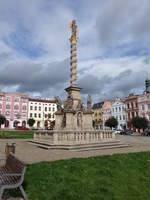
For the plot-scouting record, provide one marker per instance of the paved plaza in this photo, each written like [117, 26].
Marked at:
[33, 154]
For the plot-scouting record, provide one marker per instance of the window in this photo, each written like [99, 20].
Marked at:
[8, 99]
[24, 107]
[31, 115]
[7, 113]
[143, 107]
[49, 108]
[45, 115]
[17, 115]
[7, 106]
[39, 115]
[136, 104]
[17, 99]
[120, 117]
[116, 109]
[24, 100]
[39, 108]
[123, 108]
[128, 116]
[16, 107]
[128, 106]
[49, 115]
[23, 114]
[0, 105]
[45, 108]
[124, 117]
[119, 109]
[148, 105]
[53, 109]
[131, 104]
[1, 98]
[31, 107]
[35, 115]
[35, 108]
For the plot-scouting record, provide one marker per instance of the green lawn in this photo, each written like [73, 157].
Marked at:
[16, 134]
[117, 177]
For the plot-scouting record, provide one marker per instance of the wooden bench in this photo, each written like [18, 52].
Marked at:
[12, 175]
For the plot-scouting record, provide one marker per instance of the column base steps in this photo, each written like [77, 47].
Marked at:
[81, 147]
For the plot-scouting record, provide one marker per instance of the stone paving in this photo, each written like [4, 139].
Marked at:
[32, 154]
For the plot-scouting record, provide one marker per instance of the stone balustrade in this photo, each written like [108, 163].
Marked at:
[74, 137]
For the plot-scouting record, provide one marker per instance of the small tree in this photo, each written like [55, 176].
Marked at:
[2, 120]
[111, 122]
[31, 122]
[139, 122]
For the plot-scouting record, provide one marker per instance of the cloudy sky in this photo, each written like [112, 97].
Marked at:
[113, 46]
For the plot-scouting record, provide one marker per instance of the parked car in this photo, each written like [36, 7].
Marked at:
[118, 131]
[21, 128]
[146, 133]
[126, 132]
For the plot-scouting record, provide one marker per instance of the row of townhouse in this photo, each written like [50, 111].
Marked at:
[18, 108]
[106, 109]
[123, 110]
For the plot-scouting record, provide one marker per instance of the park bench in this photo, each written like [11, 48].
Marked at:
[12, 175]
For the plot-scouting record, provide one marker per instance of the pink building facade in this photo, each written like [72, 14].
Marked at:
[144, 102]
[144, 106]
[14, 106]
[107, 107]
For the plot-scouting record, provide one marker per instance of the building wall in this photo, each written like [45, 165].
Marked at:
[98, 115]
[14, 106]
[118, 111]
[144, 106]
[107, 106]
[43, 111]
[132, 109]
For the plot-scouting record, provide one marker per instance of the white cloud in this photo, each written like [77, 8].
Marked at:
[113, 40]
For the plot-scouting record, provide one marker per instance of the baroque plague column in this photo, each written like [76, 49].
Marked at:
[73, 116]
[73, 123]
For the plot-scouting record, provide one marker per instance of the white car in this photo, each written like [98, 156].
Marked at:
[118, 131]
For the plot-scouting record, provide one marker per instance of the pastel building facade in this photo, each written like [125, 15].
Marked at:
[132, 108]
[107, 108]
[118, 111]
[144, 106]
[144, 102]
[14, 106]
[42, 111]
[98, 115]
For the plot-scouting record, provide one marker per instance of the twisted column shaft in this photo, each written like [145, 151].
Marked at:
[73, 62]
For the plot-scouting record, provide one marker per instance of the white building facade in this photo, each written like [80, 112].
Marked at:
[42, 111]
[118, 111]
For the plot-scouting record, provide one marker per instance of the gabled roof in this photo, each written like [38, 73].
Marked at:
[98, 105]
[42, 100]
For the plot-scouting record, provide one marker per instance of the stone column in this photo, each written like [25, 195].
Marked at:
[73, 62]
